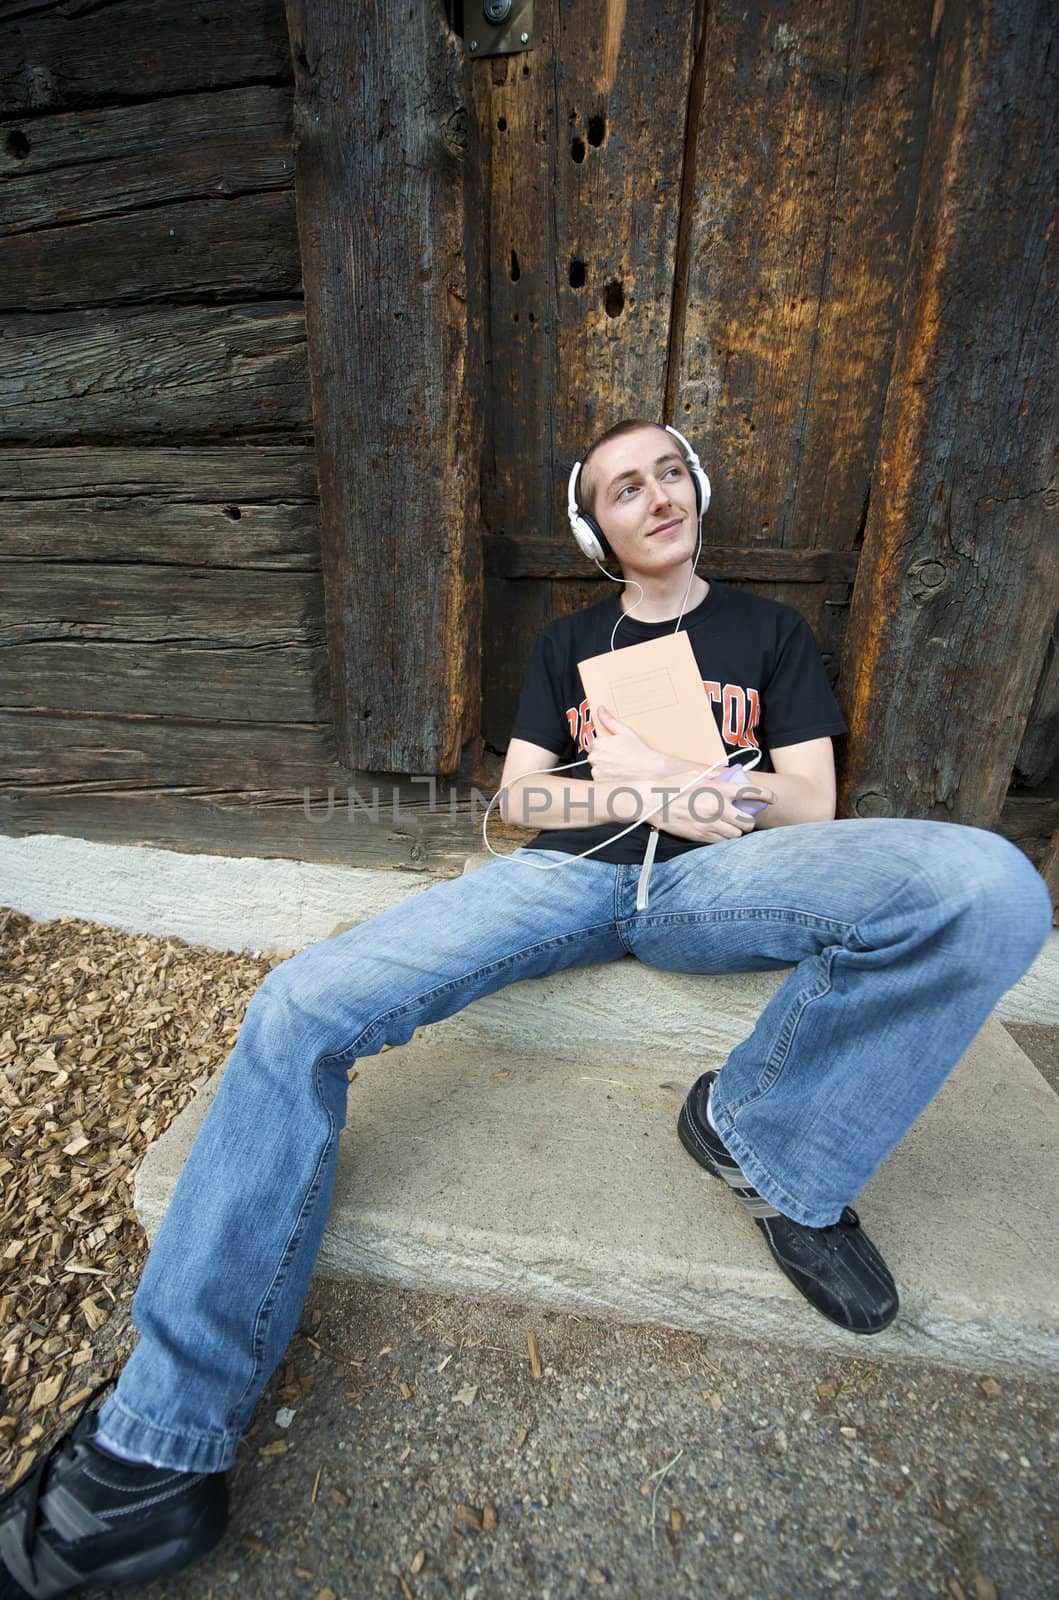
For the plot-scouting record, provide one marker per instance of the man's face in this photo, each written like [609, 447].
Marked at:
[644, 500]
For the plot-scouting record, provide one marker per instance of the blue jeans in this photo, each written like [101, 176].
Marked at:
[903, 936]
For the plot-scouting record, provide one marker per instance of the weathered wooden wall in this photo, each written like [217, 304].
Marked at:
[736, 217]
[163, 670]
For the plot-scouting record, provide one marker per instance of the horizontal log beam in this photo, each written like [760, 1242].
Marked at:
[273, 472]
[55, 56]
[143, 605]
[186, 373]
[81, 166]
[557, 558]
[277, 681]
[347, 828]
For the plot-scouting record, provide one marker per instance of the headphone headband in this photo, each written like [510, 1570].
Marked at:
[587, 531]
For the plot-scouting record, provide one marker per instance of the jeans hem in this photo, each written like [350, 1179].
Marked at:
[163, 1447]
[810, 1216]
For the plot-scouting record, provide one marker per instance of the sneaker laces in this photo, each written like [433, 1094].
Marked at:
[33, 1480]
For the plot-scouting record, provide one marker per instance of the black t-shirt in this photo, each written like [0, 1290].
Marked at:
[760, 667]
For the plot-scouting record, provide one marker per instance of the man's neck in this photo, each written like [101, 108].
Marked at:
[663, 595]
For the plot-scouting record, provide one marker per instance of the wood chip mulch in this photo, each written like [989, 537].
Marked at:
[104, 1038]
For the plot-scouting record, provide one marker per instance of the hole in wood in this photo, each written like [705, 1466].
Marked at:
[16, 144]
[501, 123]
[514, 316]
[532, 317]
[597, 131]
[614, 299]
[514, 270]
[233, 513]
[577, 273]
[577, 150]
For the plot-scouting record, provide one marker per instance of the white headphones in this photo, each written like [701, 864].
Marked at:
[587, 531]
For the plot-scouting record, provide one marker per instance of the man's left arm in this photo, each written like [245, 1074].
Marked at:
[803, 782]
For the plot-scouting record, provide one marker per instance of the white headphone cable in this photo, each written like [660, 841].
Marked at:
[552, 866]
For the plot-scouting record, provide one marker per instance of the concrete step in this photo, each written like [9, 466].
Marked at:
[526, 1150]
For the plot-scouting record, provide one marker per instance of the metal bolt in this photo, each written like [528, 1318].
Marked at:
[524, 38]
[474, 44]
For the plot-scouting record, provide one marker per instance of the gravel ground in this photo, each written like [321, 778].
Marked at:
[641, 1463]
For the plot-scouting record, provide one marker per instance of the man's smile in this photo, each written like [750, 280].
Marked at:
[666, 527]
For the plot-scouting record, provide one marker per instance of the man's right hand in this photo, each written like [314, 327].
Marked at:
[705, 813]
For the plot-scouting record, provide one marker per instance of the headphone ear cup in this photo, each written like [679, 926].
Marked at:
[589, 536]
[702, 489]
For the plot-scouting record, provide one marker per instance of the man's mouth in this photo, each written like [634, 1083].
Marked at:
[666, 527]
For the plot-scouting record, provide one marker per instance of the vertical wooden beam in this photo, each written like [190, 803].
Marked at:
[389, 215]
[958, 581]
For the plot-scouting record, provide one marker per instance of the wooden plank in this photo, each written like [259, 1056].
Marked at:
[224, 823]
[127, 752]
[389, 214]
[586, 138]
[132, 604]
[64, 753]
[85, 165]
[258, 682]
[220, 474]
[418, 838]
[54, 55]
[805, 161]
[958, 584]
[137, 529]
[196, 250]
[181, 372]
[559, 558]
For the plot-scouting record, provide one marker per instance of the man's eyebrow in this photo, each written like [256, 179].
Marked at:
[634, 472]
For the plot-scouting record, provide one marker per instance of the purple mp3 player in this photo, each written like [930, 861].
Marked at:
[738, 774]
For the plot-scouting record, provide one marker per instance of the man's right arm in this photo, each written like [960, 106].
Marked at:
[537, 798]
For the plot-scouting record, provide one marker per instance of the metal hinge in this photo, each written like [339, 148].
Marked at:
[497, 27]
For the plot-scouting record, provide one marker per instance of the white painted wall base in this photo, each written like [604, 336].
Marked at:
[244, 903]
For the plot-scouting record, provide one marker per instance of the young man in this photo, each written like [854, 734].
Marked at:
[902, 936]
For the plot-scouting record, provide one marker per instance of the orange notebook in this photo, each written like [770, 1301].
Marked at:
[656, 688]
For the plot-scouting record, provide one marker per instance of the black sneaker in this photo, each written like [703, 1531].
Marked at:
[837, 1268]
[80, 1516]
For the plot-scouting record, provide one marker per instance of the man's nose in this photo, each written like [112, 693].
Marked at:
[658, 492]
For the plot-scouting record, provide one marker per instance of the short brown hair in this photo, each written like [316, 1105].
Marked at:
[586, 490]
